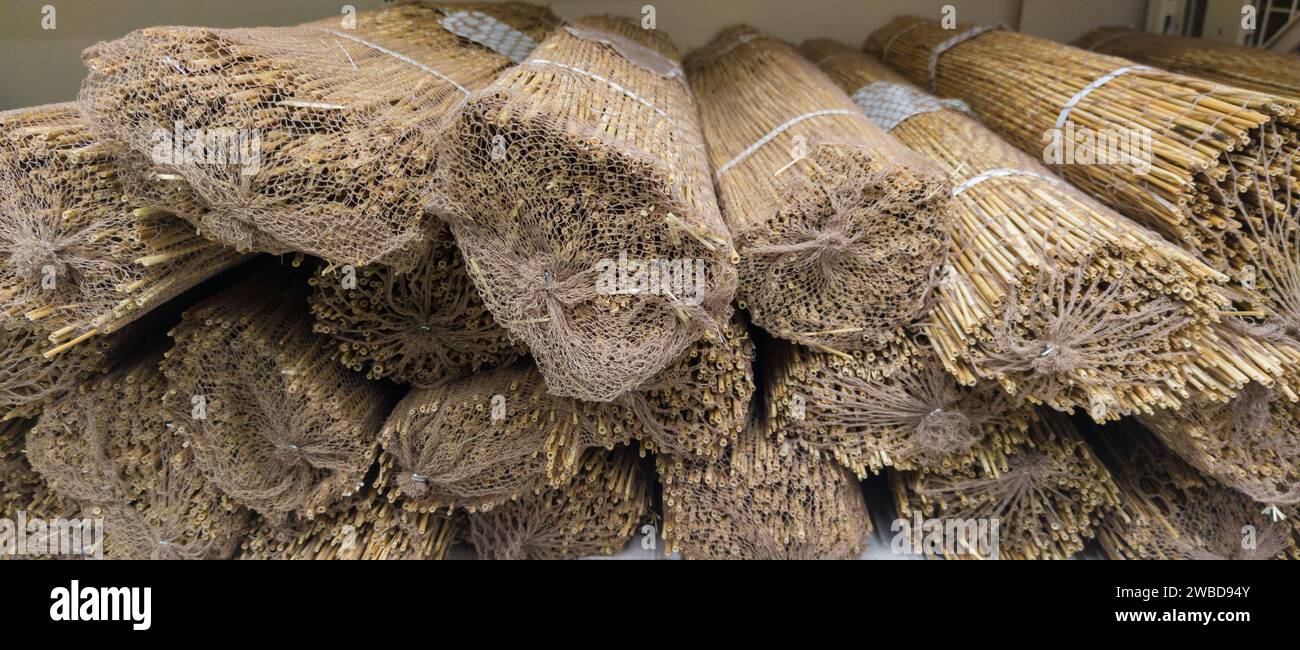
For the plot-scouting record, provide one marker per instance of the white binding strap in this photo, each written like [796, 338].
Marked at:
[489, 32]
[400, 57]
[579, 71]
[771, 135]
[889, 104]
[1103, 80]
[1000, 173]
[933, 68]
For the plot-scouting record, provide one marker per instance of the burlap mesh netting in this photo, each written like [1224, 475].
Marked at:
[1209, 166]
[839, 228]
[22, 490]
[417, 327]
[611, 267]
[29, 380]
[75, 256]
[1048, 495]
[130, 468]
[870, 413]
[273, 419]
[596, 512]
[763, 498]
[1169, 511]
[317, 138]
[1255, 68]
[497, 436]
[1049, 292]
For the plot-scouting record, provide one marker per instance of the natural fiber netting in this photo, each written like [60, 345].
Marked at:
[417, 327]
[1048, 495]
[1169, 511]
[112, 448]
[1255, 68]
[870, 412]
[22, 490]
[579, 193]
[1050, 293]
[839, 228]
[317, 138]
[370, 527]
[763, 498]
[595, 513]
[273, 419]
[29, 379]
[1209, 166]
[75, 256]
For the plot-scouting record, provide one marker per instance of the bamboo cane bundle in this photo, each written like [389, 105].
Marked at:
[577, 188]
[29, 380]
[24, 493]
[1050, 292]
[1254, 68]
[1206, 165]
[127, 466]
[417, 327]
[273, 420]
[316, 138]
[1047, 495]
[839, 228]
[763, 498]
[78, 259]
[870, 414]
[1169, 511]
[597, 512]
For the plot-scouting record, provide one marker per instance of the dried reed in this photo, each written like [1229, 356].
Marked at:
[29, 380]
[22, 490]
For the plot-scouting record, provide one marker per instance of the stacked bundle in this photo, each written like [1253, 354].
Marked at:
[23, 491]
[317, 138]
[1169, 511]
[1236, 65]
[610, 268]
[273, 420]
[77, 258]
[1050, 292]
[129, 468]
[597, 512]
[839, 228]
[1047, 495]
[29, 380]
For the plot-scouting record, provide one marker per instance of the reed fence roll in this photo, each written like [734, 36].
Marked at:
[79, 259]
[577, 187]
[317, 138]
[1049, 292]
[1170, 511]
[272, 418]
[1209, 166]
[839, 228]
[596, 513]
[1048, 495]
[111, 448]
[1253, 68]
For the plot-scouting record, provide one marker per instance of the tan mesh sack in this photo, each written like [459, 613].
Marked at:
[1169, 511]
[1048, 495]
[417, 327]
[273, 420]
[317, 138]
[839, 227]
[22, 490]
[74, 254]
[112, 448]
[597, 512]
[609, 270]
[762, 499]
[870, 413]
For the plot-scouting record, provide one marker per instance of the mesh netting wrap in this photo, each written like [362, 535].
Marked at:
[596, 512]
[29, 380]
[1051, 293]
[1255, 68]
[273, 419]
[417, 327]
[839, 228]
[1209, 166]
[871, 412]
[763, 498]
[317, 138]
[75, 256]
[609, 270]
[1169, 511]
[1048, 495]
[112, 448]
[22, 490]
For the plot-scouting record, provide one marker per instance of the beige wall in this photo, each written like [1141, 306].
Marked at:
[40, 66]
